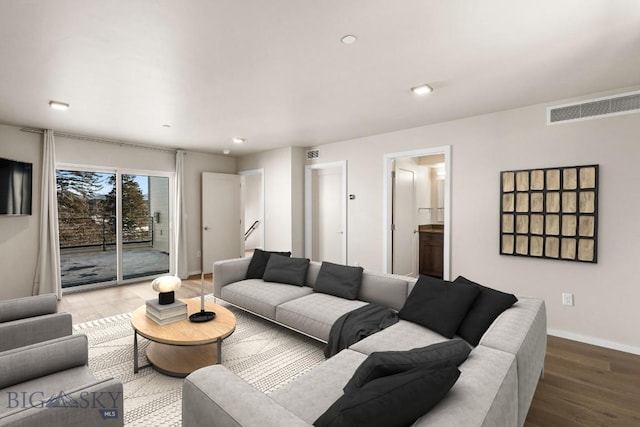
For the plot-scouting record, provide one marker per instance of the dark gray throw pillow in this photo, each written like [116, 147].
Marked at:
[485, 309]
[438, 304]
[392, 401]
[384, 363]
[292, 271]
[339, 280]
[259, 261]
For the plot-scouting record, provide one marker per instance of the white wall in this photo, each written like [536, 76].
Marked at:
[423, 196]
[284, 186]
[606, 294]
[19, 234]
[297, 200]
[88, 153]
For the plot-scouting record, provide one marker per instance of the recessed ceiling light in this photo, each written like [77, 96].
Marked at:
[58, 105]
[227, 151]
[348, 39]
[237, 140]
[422, 89]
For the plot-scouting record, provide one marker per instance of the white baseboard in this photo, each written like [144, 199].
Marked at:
[594, 341]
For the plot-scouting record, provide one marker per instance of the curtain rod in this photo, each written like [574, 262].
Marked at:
[100, 140]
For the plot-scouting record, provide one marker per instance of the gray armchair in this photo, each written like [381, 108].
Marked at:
[49, 383]
[30, 320]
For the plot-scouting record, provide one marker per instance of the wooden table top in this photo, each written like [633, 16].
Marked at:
[185, 332]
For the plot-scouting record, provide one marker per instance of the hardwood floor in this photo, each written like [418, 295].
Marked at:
[96, 304]
[586, 385]
[583, 386]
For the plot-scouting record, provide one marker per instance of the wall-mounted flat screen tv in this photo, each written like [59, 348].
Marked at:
[15, 187]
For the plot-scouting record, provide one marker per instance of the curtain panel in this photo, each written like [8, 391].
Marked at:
[180, 228]
[47, 277]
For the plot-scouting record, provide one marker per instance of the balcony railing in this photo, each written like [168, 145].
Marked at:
[80, 232]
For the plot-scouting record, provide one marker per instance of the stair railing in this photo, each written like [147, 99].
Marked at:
[251, 229]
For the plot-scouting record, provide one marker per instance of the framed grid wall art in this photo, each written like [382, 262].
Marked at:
[550, 213]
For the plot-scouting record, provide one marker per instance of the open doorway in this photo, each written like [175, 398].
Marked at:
[416, 212]
[252, 196]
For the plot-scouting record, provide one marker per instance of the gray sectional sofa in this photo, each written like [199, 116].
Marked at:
[495, 388]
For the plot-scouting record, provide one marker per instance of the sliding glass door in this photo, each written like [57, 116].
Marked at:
[86, 227]
[113, 226]
[145, 226]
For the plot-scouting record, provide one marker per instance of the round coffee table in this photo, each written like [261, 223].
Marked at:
[180, 348]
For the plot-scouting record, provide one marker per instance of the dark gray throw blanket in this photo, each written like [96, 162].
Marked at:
[358, 324]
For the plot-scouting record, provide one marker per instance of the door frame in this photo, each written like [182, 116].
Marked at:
[387, 205]
[262, 204]
[308, 205]
[118, 172]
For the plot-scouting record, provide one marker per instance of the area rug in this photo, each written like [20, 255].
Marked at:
[265, 355]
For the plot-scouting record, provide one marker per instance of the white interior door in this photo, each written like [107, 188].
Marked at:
[222, 233]
[326, 212]
[405, 245]
[328, 229]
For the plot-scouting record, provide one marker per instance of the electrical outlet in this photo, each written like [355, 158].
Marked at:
[198, 254]
[567, 299]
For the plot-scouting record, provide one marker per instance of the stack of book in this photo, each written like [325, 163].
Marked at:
[167, 313]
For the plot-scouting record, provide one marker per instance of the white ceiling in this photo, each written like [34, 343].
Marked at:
[275, 72]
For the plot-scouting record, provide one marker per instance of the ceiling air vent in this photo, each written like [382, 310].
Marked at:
[614, 105]
[313, 154]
